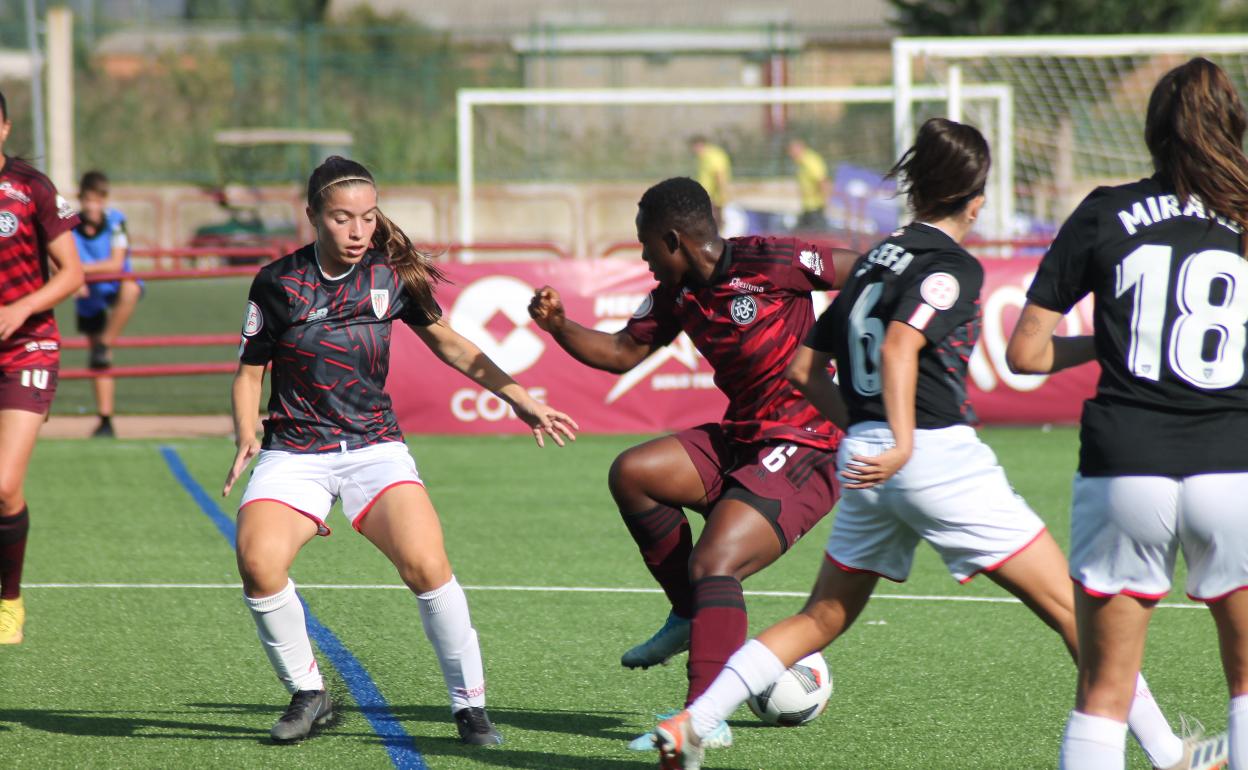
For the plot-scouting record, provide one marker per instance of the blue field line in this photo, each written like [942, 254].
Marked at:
[399, 745]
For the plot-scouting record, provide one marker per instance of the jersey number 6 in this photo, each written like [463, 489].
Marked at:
[866, 335]
[1209, 363]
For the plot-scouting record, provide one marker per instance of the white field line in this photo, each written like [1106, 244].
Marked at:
[561, 590]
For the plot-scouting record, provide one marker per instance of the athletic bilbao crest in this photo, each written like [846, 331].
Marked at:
[381, 302]
[744, 309]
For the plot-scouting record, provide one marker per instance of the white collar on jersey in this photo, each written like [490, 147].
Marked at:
[316, 252]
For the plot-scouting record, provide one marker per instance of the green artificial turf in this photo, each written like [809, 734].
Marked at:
[155, 677]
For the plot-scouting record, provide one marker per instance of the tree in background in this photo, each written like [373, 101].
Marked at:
[1051, 17]
[297, 11]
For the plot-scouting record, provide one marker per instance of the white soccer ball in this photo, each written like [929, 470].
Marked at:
[798, 696]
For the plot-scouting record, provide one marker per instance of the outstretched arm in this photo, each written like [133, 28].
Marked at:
[1034, 350]
[461, 354]
[615, 353]
[808, 371]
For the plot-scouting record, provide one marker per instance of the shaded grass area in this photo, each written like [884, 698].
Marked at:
[150, 677]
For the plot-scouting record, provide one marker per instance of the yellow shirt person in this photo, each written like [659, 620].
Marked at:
[812, 184]
[714, 171]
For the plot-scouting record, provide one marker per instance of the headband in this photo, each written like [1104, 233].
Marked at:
[344, 179]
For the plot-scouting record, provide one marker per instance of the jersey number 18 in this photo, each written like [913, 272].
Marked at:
[1209, 363]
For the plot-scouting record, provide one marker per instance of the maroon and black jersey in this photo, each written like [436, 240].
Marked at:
[923, 278]
[747, 321]
[32, 215]
[329, 342]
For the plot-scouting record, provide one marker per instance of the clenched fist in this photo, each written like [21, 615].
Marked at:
[546, 308]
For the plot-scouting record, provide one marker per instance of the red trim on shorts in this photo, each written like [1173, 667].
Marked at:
[359, 519]
[856, 570]
[1000, 564]
[1125, 592]
[1219, 597]
[319, 524]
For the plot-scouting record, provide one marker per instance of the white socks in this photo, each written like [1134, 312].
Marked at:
[1093, 743]
[1150, 728]
[283, 632]
[750, 670]
[444, 613]
[1238, 730]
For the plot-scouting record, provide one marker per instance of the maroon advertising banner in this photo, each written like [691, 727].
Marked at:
[673, 388]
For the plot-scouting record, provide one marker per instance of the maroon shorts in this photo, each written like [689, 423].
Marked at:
[793, 486]
[30, 390]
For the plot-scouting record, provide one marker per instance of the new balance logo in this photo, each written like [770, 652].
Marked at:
[318, 314]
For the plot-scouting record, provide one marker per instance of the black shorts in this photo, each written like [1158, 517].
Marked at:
[94, 324]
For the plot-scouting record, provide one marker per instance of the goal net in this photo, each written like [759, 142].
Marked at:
[1078, 105]
[591, 141]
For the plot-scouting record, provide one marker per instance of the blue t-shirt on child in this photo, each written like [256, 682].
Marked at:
[98, 248]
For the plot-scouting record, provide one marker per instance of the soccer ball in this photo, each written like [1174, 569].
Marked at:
[798, 696]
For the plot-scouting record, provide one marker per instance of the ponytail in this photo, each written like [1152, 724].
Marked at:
[1194, 130]
[415, 268]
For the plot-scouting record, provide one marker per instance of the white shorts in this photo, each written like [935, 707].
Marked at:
[311, 483]
[951, 493]
[1125, 533]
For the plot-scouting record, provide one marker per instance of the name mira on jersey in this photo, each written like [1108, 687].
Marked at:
[1158, 208]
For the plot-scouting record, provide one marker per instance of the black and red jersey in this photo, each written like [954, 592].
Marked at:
[748, 321]
[329, 342]
[32, 215]
[923, 278]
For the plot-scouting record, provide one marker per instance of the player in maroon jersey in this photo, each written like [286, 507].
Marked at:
[322, 317]
[765, 474]
[35, 226]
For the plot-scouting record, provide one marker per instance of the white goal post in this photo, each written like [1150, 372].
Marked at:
[1079, 102]
[467, 100]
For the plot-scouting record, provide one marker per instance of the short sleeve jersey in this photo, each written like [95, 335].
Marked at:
[97, 246]
[1171, 291]
[748, 321]
[32, 215]
[924, 279]
[329, 343]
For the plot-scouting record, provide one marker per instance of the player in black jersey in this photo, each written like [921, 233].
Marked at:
[322, 317]
[1163, 461]
[901, 331]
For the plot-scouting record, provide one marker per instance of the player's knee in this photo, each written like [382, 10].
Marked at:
[626, 478]
[828, 617]
[262, 575]
[714, 562]
[425, 574]
[11, 500]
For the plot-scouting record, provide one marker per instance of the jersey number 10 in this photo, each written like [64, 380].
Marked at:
[1147, 270]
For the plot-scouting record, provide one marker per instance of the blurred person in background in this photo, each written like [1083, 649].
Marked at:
[39, 268]
[813, 185]
[105, 248]
[714, 173]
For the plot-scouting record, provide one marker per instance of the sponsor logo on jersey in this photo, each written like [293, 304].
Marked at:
[8, 223]
[46, 346]
[63, 209]
[254, 321]
[744, 309]
[812, 261]
[318, 314]
[12, 192]
[645, 307]
[381, 302]
[737, 283]
[940, 290]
